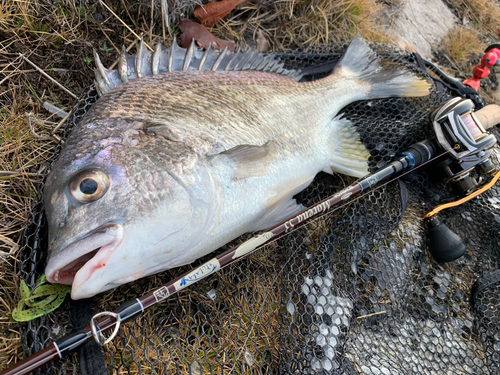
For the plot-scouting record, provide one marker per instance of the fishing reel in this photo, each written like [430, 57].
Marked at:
[466, 166]
[460, 133]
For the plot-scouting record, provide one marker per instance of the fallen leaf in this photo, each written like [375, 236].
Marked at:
[192, 30]
[262, 42]
[212, 13]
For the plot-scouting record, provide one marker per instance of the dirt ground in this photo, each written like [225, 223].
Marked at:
[46, 56]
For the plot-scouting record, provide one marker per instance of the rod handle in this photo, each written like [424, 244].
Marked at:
[488, 116]
[30, 364]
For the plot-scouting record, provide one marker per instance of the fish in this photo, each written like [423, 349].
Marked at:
[170, 166]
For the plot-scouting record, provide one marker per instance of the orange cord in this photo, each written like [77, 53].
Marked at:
[495, 178]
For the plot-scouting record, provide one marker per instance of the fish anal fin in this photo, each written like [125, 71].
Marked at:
[348, 155]
[249, 161]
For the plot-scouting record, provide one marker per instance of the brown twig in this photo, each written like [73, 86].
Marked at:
[368, 315]
[109, 39]
[47, 76]
[19, 173]
[124, 24]
[58, 126]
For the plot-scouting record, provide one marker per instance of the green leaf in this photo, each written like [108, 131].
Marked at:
[45, 298]
[105, 48]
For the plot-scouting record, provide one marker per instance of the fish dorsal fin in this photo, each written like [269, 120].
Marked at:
[249, 161]
[175, 59]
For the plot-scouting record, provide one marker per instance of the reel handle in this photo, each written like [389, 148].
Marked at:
[488, 116]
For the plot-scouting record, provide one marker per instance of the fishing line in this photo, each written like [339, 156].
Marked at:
[325, 215]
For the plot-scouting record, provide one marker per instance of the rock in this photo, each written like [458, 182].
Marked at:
[421, 24]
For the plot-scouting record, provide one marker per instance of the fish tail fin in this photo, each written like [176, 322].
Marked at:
[367, 79]
[348, 154]
[362, 63]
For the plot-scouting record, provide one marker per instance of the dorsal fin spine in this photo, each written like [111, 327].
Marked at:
[138, 59]
[122, 65]
[236, 56]
[172, 52]
[208, 51]
[219, 59]
[189, 56]
[176, 58]
[155, 60]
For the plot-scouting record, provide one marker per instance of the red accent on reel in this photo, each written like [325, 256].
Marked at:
[490, 58]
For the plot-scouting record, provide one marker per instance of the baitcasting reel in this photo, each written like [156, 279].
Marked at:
[469, 146]
[466, 166]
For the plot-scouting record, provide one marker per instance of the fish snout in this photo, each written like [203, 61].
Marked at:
[73, 264]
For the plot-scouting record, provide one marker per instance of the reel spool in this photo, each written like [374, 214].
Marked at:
[466, 167]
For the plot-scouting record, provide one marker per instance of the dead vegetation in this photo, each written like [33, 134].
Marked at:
[58, 38]
[289, 24]
[483, 15]
[462, 47]
[461, 44]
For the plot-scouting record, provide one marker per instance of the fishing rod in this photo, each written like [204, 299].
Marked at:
[414, 157]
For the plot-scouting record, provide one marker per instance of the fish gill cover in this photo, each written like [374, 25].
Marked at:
[353, 292]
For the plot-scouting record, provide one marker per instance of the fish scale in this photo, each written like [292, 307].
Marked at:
[186, 161]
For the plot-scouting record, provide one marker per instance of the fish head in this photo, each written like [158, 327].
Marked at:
[115, 216]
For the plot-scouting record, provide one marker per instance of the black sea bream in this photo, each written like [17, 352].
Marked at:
[166, 168]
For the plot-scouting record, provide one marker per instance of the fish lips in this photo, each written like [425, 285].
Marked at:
[75, 264]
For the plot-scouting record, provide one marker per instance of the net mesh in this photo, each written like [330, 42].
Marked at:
[353, 292]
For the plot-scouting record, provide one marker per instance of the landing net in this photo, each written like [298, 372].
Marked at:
[354, 292]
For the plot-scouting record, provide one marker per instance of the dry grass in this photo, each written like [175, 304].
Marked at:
[196, 348]
[461, 44]
[59, 36]
[289, 24]
[484, 15]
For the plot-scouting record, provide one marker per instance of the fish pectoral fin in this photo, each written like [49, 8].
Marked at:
[163, 131]
[248, 160]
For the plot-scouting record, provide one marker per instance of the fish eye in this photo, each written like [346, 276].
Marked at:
[89, 185]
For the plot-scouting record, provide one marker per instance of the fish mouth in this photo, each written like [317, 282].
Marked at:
[75, 264]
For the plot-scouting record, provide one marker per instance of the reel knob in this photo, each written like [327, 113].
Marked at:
[444, 245]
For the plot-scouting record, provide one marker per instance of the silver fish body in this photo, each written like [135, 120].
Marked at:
[167, 168]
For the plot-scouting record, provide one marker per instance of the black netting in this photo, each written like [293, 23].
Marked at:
[354, 292]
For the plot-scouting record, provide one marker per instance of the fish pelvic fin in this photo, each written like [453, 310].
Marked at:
[281, 206]
[362, 63]
[348, 154]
